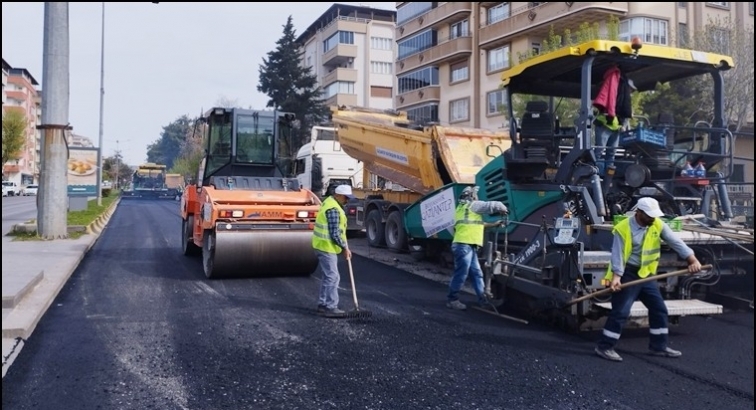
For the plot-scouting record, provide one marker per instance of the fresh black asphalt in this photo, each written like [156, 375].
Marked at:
[139, 327]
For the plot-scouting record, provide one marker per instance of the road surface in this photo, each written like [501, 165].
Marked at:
[139, 327]
[18, 209]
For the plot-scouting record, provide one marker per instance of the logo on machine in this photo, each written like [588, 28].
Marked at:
[528, 252]
[265, 214]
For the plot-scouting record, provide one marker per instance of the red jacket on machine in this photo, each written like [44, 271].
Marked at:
[606, 100]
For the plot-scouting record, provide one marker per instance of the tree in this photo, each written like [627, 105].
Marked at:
[15, 125]
[293, 88]
[691, 100]
[192, 151]
[112, 166]
[225, 102]
[167, 148]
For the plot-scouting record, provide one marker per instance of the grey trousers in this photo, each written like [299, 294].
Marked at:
[329, 285]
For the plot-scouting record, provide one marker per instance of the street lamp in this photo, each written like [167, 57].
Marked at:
[102, 101]
[118, 163]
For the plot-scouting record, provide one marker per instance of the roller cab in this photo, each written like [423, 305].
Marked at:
[242, 215]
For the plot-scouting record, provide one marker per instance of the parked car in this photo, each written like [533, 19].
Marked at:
[10, 188]
[30, 190]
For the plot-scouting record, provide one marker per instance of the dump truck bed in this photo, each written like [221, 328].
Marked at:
[421, 159]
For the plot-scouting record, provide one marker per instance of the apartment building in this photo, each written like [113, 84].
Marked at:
[6, 69]
[351, 50]
[451, 54]
[22, 95]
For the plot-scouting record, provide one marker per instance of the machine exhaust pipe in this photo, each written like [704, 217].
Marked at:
[724, 198]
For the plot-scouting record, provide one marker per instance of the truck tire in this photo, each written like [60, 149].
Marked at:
[189, 248]
[396, 236]
[374, 229]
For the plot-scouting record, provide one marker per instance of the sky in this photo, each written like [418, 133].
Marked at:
[161, 61]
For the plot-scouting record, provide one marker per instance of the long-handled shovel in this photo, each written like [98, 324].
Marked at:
[356, 312]
[633, 283]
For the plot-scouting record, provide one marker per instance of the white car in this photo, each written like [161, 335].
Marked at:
[30, 190]
[10, 188]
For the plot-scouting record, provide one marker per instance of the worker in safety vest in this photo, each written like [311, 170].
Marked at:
[635, 255]
[607, 130]
[468, 238]
[329, 240]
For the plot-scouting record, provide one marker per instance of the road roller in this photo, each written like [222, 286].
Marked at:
[241, 214]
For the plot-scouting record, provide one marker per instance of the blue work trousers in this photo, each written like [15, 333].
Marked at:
[648, 293]
[328, 264]
[466, 262]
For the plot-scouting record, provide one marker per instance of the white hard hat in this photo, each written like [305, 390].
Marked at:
[345, 190]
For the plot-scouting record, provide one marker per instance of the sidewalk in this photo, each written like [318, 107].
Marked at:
[34, 272]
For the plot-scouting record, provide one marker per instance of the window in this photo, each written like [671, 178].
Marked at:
[651, 31]
[255, 139]
[738, 173]
[309, 61]
[719, 3]
[497, 102]
[459, 72]
[410, 10]
[417, 79]
[417, 43]
[339, 37]
[497, 13]
[536, 48]
[459, 110]
[750, 8]
[338, 87]
[381, 67]
[461, 29]
[682, 35]
[498, 58]
[682, 4]
[720, 40]
[380, 43]
[423, 114]
[380, 92]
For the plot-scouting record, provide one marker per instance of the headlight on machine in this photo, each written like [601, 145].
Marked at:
[231, 214]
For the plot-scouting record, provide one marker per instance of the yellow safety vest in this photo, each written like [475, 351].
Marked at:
[468, 226]
[650, 251]
[614, 126]
[321, 239]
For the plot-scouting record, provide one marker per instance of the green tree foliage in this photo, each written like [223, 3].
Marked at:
[114, 165]
[15, 125]
[291, 87]
[192, 151]
[691, 99]
[168, 147]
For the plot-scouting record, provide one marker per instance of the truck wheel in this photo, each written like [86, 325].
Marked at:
[208, 254]
[374, 229]
[396, 236]
[187, 240]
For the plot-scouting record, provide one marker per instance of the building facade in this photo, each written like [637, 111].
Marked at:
[351, 50]
[6, 69]
[21, 94]
[450, 55]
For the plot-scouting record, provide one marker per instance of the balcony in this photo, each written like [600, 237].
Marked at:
[425, 94]
[446, 13]
[342, 99]
[440, 53]
[536, 20]
[341, 54]
[340, 74]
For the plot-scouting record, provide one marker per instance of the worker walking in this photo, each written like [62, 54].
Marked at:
[469, 229]
[635, 254]
[329, 240]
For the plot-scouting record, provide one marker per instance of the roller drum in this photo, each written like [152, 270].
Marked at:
[251, 253]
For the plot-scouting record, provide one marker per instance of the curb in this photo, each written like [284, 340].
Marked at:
[50, 289]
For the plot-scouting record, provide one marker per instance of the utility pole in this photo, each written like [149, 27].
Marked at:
[102, 107]
[52, 212]
[118, 166]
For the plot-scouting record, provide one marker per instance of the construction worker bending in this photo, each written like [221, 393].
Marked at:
[468, 238]
[635, 254]
[329, 240]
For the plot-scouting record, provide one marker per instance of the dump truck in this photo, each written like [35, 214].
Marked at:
[242, 215]
[419, 159]
[555, 245]
[149, 182]
[175, 182]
